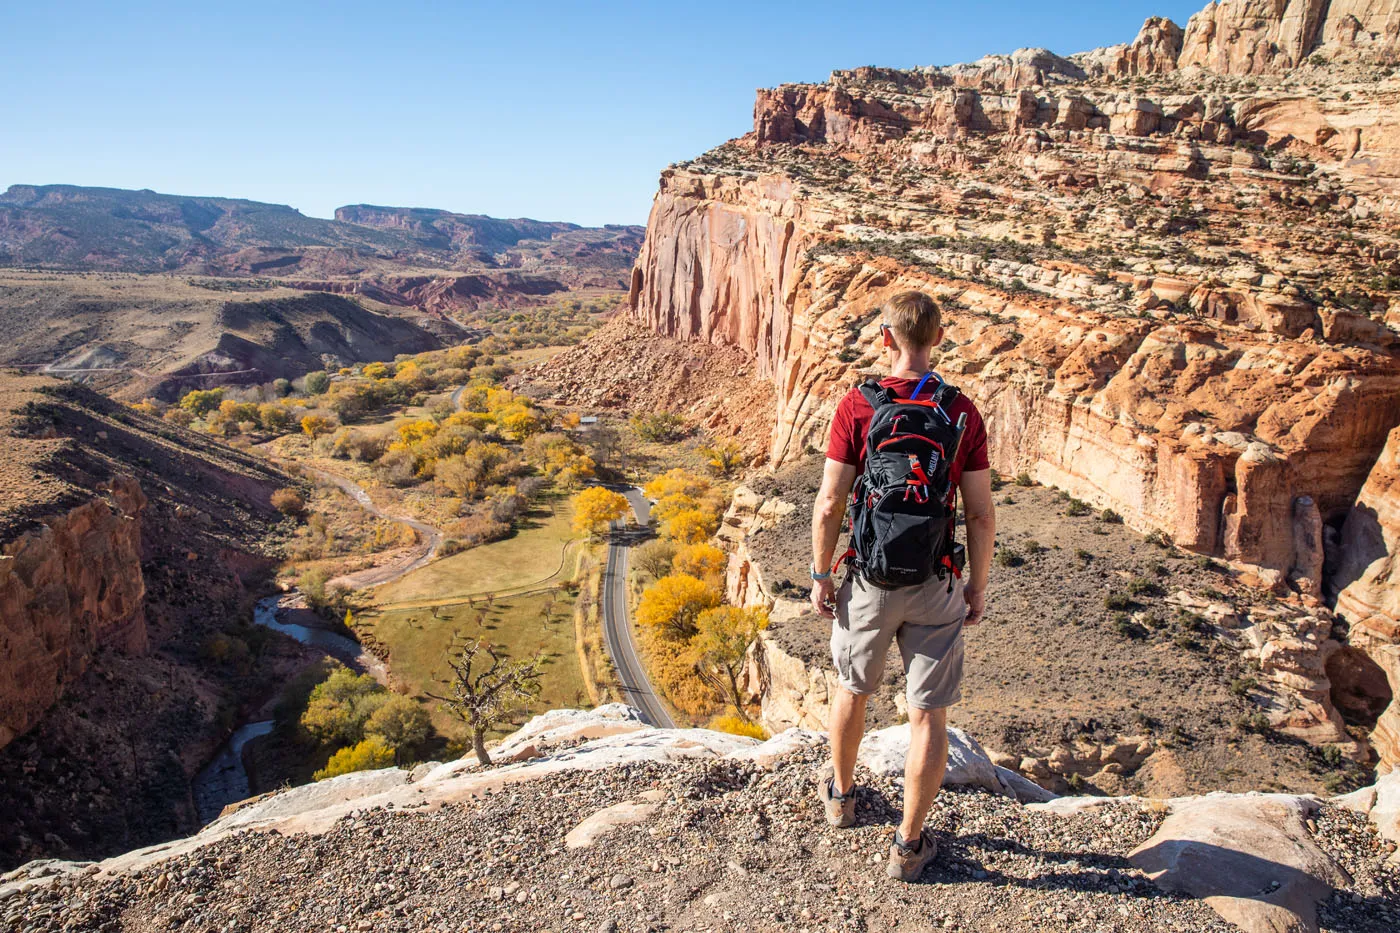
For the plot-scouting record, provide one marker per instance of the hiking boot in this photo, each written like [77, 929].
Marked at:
[908, 861]
[840, 809]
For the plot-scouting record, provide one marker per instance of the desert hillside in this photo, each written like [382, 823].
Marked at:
[151, 294]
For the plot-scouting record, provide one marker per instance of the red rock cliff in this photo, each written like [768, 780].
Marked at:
[1146, 290]
[69, 588]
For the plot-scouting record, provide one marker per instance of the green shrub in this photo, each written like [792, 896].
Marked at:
[371, 754]
[1124, 625]
[1110, 517]
[1077, 507]
[1082, 555]
[1117, 601]
[1256, 723]
[1009, 557]
[1035, 547]
[1142, 587]
[1024, 479]
[1241, 686]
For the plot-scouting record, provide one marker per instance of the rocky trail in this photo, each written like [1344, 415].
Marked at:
[599, 822]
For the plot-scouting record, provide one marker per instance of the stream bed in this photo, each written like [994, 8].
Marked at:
[224, 780]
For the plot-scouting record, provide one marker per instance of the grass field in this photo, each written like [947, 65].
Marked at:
[531, 556]
[419, 641]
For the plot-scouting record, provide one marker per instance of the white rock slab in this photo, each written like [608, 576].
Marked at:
[1249, 856]
[884, 751]
[769, 753]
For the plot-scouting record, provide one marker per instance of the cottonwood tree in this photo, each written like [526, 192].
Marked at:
[595, 508]
[487, 692]
[722, 640]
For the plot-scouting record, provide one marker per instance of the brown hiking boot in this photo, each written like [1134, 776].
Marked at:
[907, 862]
[840, 809]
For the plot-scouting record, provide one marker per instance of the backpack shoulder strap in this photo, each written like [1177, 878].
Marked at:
[945, 395]
[877, 395]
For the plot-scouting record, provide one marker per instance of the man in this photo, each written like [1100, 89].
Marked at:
[926, 619]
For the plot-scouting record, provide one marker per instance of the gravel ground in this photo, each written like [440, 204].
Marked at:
[733, 847]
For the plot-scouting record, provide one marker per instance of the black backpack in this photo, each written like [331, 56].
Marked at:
[903, 507]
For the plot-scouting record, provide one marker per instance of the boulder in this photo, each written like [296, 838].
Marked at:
[1247, 855]
[884, 751]
[599, 824]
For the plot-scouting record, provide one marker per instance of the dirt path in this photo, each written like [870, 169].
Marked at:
[415, 557]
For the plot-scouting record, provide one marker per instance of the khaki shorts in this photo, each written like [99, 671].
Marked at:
[926, 620]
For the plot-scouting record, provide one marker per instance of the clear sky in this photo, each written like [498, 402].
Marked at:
[558, 111]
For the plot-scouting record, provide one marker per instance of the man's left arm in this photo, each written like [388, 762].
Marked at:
[980, 515]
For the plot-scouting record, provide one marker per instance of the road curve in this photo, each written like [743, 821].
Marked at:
[617, 627]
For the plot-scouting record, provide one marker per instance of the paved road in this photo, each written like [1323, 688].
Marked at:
[617, 627]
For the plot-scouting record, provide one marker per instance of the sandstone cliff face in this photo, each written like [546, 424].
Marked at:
[1370, 600]
[69, 588]
[1145, 291]
[1255, 37]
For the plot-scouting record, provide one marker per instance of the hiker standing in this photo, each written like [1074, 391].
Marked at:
[906, 445]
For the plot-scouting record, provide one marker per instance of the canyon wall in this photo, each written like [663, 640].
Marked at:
[1248, 37]
[1370, 598]
[69, 588]
[1145, 291]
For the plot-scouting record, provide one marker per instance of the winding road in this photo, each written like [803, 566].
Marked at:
[617, 627]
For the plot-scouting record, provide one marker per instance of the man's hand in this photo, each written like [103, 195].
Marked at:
[976, 605]
[824, 598]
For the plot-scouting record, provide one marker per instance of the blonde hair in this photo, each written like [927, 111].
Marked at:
[914, 317]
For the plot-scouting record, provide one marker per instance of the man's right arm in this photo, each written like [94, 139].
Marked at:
[827, 513]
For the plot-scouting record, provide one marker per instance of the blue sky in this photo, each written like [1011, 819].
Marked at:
[559, 111]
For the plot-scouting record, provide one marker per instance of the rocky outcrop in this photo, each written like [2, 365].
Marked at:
[69, 588]
[614, 827]
[1258, 37]
[1369, 577]
[1249, 857]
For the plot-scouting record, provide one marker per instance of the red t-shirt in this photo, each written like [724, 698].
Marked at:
[853, 416]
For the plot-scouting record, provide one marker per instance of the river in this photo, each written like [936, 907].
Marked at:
[225, 779]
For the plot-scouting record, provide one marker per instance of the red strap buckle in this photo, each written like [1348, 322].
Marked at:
[850, 552]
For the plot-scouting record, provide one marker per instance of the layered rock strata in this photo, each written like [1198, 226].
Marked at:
[68, 589]
[1174, 295]
[1370, 596]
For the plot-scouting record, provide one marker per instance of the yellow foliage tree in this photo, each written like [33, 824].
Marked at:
[723, 459]
[414, 432]
[700, 560]
[313, 426]
[677, 482]
[691, 526]
[376, 371]
[368, 755]
[595, 507]
[673, 604]
[722, 639]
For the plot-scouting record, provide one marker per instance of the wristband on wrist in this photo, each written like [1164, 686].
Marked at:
[819, 576]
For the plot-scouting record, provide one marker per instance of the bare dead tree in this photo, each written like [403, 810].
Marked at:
[485, 697]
